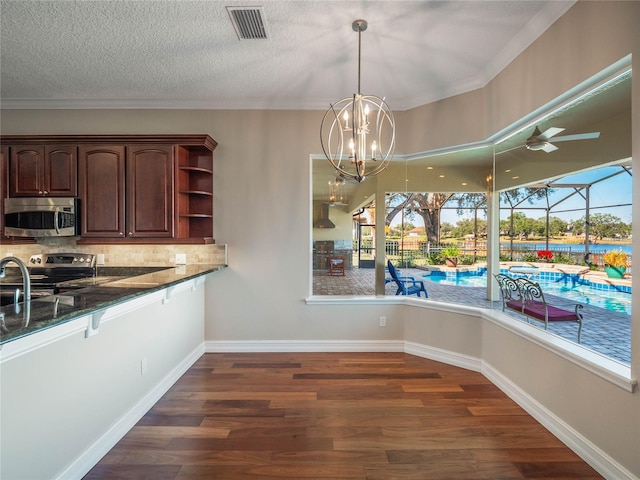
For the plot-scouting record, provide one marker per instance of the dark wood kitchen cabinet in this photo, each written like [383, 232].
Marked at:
[149, 191]
[102, 192]
[43, 170]
[126, 191]
[133, 188]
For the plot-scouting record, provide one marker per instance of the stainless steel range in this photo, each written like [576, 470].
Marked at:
[48, 272]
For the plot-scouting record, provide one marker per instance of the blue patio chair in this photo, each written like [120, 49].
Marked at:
[406, 285]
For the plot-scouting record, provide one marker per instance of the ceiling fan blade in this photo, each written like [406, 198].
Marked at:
[549, 147]
[550, 132]
[577, 136]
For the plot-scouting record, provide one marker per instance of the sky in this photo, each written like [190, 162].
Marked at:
[613, 191]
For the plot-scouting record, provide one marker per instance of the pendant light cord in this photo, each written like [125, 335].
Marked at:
[359, 54]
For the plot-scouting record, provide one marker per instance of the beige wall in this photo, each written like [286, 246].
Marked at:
[262, 193]
[453, 121]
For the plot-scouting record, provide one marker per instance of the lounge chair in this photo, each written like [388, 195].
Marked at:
[406, 285]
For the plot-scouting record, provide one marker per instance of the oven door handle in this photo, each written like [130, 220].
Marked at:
[56, 220]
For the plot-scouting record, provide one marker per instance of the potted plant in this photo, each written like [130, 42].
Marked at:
[450, 253]
[615, 263]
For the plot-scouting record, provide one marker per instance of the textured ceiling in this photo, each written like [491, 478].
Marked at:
[186, 54]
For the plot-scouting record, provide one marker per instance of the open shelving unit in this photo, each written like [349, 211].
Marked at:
[194, 185]
[194, 175]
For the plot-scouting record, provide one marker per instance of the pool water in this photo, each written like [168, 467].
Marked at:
[567, 286]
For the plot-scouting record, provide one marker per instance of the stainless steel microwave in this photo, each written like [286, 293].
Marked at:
[41, 217]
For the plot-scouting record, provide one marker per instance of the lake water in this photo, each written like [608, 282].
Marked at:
[577, 247]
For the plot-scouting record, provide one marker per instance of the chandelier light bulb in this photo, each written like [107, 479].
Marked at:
[346, 120]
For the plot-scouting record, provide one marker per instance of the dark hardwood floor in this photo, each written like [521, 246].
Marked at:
[336, 416]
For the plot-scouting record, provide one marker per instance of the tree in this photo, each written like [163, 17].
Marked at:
[427, 205]
[467, 226]
[446, 229]
[539, 227]
[523, 226]
[408, 226]
[466, 201]
[605, 225]
[394, 231]
[557, 226]
[395, 203]
[518, 195]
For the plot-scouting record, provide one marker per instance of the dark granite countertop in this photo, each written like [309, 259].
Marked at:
[111, 286]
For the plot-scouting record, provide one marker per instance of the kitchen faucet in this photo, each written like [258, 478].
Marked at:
[26, 280]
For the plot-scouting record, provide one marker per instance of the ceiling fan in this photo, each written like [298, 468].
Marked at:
[540, 140]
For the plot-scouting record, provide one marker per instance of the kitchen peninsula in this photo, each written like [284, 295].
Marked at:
[88, 296]
[80, 368]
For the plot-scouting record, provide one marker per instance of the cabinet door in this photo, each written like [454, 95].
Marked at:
[150, 191]
[43, 171]
[60, 171]
[102, 191]
[25, 171]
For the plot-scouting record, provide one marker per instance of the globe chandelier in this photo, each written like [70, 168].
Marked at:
[358, 129]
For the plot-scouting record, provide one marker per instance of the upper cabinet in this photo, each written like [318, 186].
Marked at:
[45, 171]
[149, 195]
[132, 188]
[102, 191]
[127, 191]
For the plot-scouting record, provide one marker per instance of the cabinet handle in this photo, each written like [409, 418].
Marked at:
[131, 234]
[46, 193]
[121, 234]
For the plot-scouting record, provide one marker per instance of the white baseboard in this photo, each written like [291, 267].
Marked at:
[585, 449]
[304, 346]
[92, 455]
[439, 355]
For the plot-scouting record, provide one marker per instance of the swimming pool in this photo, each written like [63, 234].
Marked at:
[570, 286]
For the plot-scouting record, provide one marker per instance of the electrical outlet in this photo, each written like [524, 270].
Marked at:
[383, 321]
[100, 259]
[181, 258]
[143, 366]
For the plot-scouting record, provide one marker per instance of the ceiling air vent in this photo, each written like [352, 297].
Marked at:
[249, 22]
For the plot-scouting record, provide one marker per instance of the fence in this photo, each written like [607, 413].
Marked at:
[410, 252]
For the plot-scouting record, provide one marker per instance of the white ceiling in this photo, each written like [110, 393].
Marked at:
[186, 54]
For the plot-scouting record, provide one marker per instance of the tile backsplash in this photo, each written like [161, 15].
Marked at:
[123, 255]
